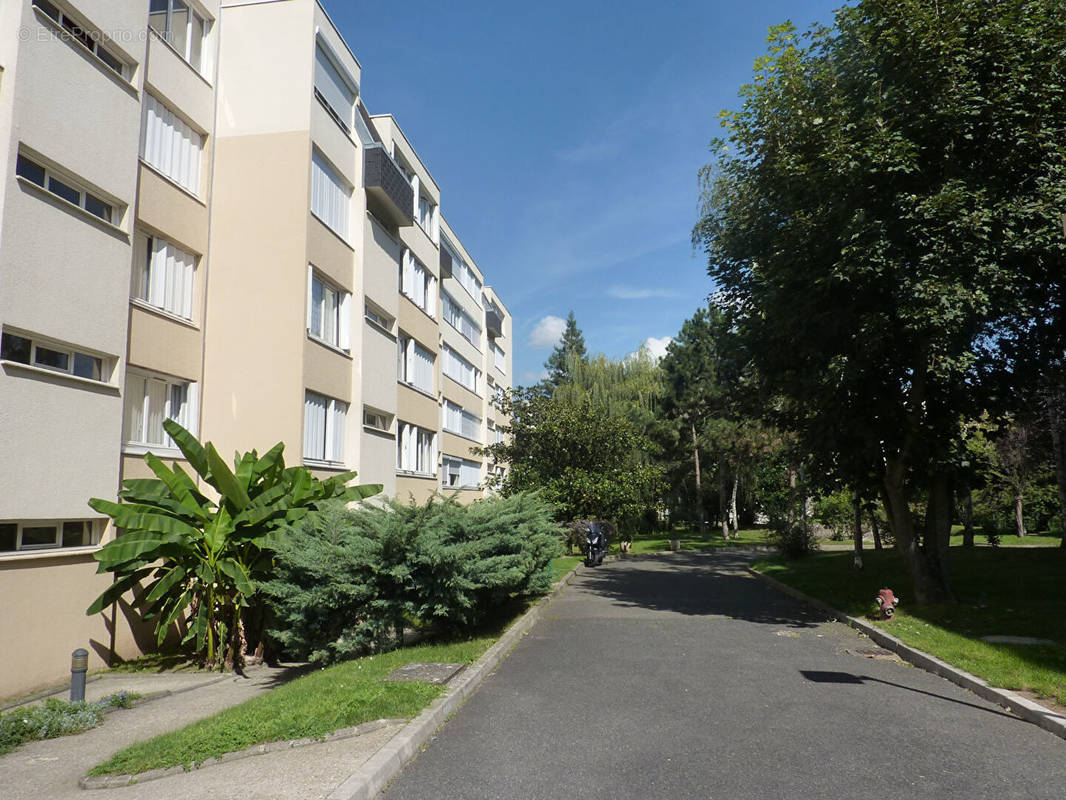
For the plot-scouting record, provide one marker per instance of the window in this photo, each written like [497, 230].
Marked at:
[458, 420]
[460, 320]
[418, 284]
[165, 279]
[48, 534]
[62, 188]
[92, 40]
[459, 369]
[182, 28]
[378, 317]
[150, 399]
[460, 473]
[324, 428]
[328, 317]
[416, 450]
[414, 364]
[170, 145]
[334, 88]
[378, 420]
[499, 358]
[330, 196]
[60, 358]
[426, 215]
[463, 273]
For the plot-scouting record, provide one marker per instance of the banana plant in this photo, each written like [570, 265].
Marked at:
[186, 555]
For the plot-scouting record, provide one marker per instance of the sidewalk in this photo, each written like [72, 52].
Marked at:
[53, 767]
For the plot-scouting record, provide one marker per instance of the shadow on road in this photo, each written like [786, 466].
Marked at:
[823, 676]
[697, 584]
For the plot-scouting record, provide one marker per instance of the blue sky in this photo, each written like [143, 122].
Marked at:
[566, 138]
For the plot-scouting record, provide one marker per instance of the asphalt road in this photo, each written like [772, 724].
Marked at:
[683, 677]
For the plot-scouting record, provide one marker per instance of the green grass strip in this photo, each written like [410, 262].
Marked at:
[1014, 592]
[326, 700]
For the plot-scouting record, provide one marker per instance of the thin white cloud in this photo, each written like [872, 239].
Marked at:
[632, 293]
[655, 348]
[547, 332]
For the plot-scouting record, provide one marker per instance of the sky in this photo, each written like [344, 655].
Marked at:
[567, 139]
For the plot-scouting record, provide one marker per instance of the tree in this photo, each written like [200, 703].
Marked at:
[571, 349]
[202, 560]
[886, 216]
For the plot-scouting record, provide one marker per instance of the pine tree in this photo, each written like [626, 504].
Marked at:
[571, 348]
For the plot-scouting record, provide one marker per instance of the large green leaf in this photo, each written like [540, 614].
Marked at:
[180, 487]
[166, 583]
[133, 545]
[132, 517]
[225, 481]
[237, 573]
[244, 466]
[115, 591]
[270, 465]
[189, 446]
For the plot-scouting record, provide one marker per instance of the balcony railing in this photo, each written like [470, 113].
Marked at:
[386, 185]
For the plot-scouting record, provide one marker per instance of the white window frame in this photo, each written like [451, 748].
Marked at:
[333, 428]
[377, 317]
[95, 526]
[185, 415]
[458, 369]
[334, 84]
[49, 176]
[170, 145]
[166, 278]
[103, 365]
[418, 284]
[458, 420]
[167, 34]
[331, 195]
[416, 450]
[376, 420]
[464, 274]
[499, 358]
[463, 471]
[456, 316]
[416, 364]
[89, 37]
[333, 305]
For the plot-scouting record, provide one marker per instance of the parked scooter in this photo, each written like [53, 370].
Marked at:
[596, 544]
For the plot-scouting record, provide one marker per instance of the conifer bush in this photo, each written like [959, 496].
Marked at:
[348, 582]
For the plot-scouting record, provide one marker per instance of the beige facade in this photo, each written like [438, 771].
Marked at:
[226, 237]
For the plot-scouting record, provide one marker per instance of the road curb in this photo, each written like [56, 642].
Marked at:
[1013, 702]
[387, 762]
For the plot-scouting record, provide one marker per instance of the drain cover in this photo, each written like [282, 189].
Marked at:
[428, 672]
[873, 652]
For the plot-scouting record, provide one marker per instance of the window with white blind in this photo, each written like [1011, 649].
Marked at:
[418, 284]
[460, 320]
[328, 312]
[334, 88]
[165, 278]
[150, 399]
[331, 196]
[499, 358]
[324, 428]
[459, 473]
[426, 215]
[459, 369]
[457, 419]
[463, 273]
[416, 449]
[182, 28]
[415, 364]
[170, 145]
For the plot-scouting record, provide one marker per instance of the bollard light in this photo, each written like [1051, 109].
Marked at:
[79, 665]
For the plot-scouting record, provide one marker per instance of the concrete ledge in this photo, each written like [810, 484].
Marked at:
[1013, 702]
[111, 781]
[387, 762]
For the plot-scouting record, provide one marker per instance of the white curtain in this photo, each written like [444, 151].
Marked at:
[330, 196]
[134, 408]
[338, 414]
[314, 426]
[423, 369]
[170, 145]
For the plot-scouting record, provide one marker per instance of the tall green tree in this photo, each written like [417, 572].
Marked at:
[569, 351]
[886, 213]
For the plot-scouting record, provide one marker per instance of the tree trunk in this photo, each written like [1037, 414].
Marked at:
[967, 518]
[723, 513]
[1059, 448]
[733, 520]
[926, 566]
[700, 513]
[857, 533]
[791, 494]
[1019, 517]
[878, 545]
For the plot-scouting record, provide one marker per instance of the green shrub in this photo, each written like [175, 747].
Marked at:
[55, 718]
[350, 581]
[795, 538]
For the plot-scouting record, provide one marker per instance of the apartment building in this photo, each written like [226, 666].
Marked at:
[223, 235]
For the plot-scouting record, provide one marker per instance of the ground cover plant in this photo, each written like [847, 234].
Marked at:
[659, 541]
[56, 718]
[315, 704]
[992, 601]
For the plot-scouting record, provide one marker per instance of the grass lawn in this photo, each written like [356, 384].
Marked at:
[562, 565]
[693, 540]
[1015, 591]
[1011, 540]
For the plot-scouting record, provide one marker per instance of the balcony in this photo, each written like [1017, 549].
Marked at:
[493, 321]
[387, 189]
[445, 263]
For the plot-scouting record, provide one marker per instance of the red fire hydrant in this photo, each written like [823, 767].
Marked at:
[888, 602]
